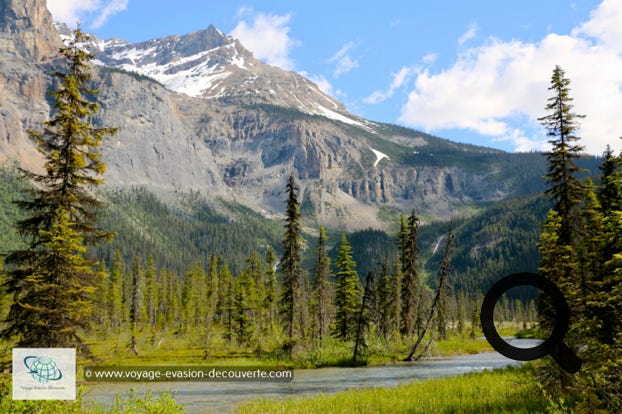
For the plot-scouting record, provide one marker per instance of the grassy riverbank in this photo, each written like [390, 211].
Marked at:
[511, 390]
[183, 350]
[507, 386]
[502, 391]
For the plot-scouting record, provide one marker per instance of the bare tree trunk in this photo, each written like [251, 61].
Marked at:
[435, 302]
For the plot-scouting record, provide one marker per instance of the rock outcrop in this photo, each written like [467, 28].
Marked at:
[199, 112]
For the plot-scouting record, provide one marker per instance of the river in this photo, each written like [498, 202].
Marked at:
[221, 397]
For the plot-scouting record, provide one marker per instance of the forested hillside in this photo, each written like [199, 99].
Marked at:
[499, 240]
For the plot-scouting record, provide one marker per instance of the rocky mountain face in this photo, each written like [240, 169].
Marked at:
[198, 112]
[27, 43]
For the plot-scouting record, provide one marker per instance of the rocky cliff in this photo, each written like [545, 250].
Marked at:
[199, 112]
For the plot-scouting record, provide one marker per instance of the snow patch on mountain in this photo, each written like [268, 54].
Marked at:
[211, 65]
[379, 156]
[337, 116]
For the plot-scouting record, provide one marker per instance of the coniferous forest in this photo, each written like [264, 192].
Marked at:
[119, 274]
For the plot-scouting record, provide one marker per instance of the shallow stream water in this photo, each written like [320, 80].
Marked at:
[221, 397]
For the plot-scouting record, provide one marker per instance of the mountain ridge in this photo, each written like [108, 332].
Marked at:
[246, 130]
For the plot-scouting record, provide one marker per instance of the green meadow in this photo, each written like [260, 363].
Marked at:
[510, 390]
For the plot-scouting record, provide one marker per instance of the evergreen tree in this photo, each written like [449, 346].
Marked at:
[601, 327]
[590, 247]
[409, 258]
[557, 260]
[256, 291]
[395, 308]
[322, 286]
[116, 308]
[226, 304]
[385, 296]
[270, 289]
[213, 288]
[291, 267]
[136, 308]
[193, 297]
[245, 303]
[151, 295]
[163, 314]
[174, 299]
[61, 218]
[566, 190]
[440, 300]
[363, 318]
[562, 231]
[610, 191]
[347, 293]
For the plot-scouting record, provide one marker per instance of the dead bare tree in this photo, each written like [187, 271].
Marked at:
[435, 303]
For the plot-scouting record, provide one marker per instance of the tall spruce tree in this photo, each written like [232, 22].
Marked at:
[348, 292]
[409, 258]
[566, 191]
[322, 285]
[116, 310]
[245, 301]
[602, 322]
[151, 294]
[136, 299]
[363, 318]
[51, 280]
[610, 191]
[562, 124]
[291, 267]
[271, 290]
[385, 296]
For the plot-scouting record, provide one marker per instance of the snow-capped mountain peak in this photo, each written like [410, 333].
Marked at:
[209, 64]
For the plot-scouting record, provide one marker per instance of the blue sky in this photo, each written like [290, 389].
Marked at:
[474, 71]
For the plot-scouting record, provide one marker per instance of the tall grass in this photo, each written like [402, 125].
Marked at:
[132, 403]
[187, 349]
[502, 391]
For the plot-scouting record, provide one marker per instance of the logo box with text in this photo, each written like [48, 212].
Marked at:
[44, 373]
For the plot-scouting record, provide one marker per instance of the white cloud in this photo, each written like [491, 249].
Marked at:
[112, 7]
[321, 82]
[468, 35]
[399, 79]
[70, 11]
[267, 36]
[604, 25]
[429, 58]
[490, 86]
[345, 62]
[92, 13]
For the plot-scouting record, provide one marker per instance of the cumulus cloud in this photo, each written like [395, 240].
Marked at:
[604, 25]
[344, 62]
[92, 13]
[267, 36]
[490, 86]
